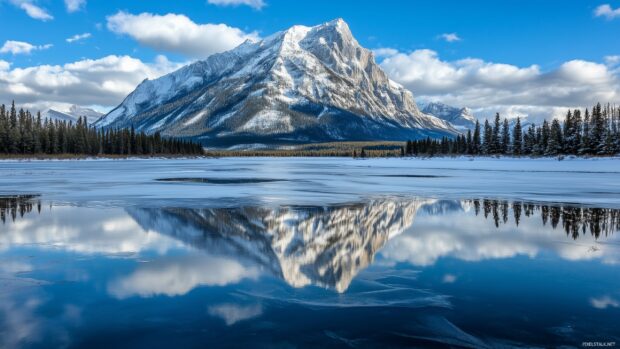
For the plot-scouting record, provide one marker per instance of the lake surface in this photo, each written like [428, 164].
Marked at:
[309, 253]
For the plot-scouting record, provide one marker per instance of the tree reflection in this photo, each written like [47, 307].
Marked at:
[17, 204]
[574, 220]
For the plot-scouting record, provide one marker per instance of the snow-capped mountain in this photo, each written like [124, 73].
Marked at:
[300, 85]
[56, 115]
[322, 246]
[460, 118]
[73, 114]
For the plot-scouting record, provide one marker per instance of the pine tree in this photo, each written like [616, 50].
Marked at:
[495, 137]
[555, 142]
[584, 145]
[597, 131]
[505, 140]
[487, 142]
[476, 141]
[517, 138]
[574, 141]
[544, 141]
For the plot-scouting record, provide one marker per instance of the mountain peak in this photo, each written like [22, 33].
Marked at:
[338, 24]
[304, 84]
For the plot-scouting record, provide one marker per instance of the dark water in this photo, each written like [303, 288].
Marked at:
[382, 272]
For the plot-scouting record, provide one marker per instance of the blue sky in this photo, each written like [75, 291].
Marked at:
[532, 40]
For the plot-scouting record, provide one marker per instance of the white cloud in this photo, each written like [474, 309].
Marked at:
[490, 87]
[612, 60]
[178, 33]
[75, 5]
[104, 81]
[32, 10]
[450, 37]
[78, 37]
[257, 4]
[20, 47]
[385, 52]
[607, 11]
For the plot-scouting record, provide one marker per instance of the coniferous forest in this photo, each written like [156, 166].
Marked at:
[22, 133]
[588, 133]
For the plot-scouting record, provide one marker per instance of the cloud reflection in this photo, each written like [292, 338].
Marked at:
[177, 275]
[233, 313]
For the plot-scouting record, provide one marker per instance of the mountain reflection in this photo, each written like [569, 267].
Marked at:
[325, 246]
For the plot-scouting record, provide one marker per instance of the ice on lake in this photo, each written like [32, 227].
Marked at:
[309, 253]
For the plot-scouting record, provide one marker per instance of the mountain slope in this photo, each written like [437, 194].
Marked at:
[73, 114]
[304, 84]
[460, 118]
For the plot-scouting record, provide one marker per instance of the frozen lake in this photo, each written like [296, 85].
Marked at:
[317, 181]
[264, 252]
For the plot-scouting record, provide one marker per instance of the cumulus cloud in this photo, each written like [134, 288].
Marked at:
[488, 87]
[450, 37]
[78, 37]
[177, 33]
[612, 60]
[32, 10]
[607, 11]
[21, 47]
[104, 81]
[257, 4]
[75, 5]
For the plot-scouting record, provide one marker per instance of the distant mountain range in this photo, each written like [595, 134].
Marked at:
[305, 84]
[461, 118]
[73, 114]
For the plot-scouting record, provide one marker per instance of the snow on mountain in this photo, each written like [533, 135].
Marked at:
[55, 115]
[300, 85]
[322, 246]
[90, 114]
[73, 114]
[460, 118]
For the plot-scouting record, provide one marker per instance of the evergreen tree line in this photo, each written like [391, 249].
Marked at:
[25, 134]
[575, 221]
[588, 133]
